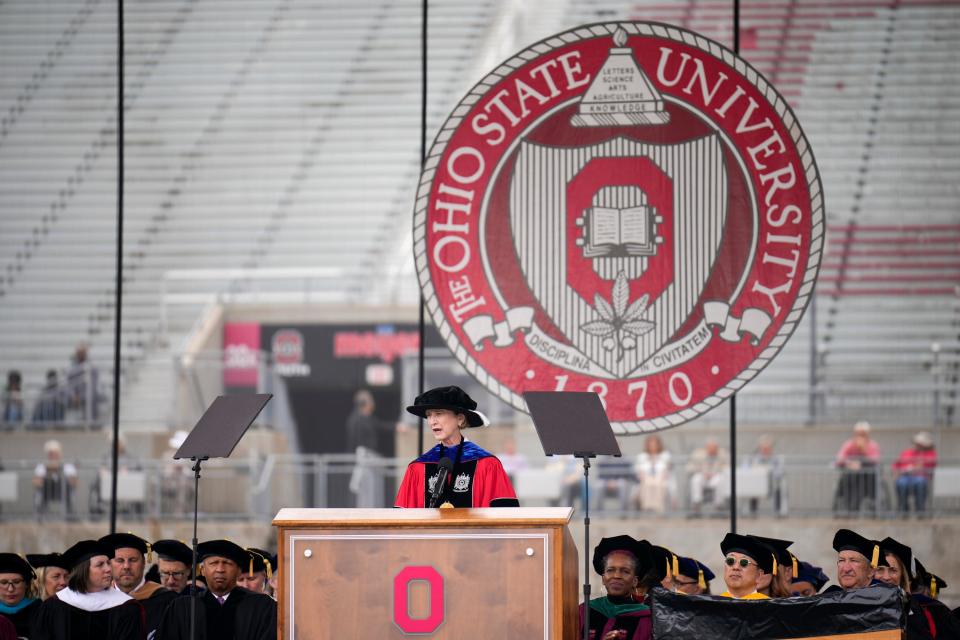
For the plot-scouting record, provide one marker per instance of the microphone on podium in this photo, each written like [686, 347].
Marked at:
[446, 466]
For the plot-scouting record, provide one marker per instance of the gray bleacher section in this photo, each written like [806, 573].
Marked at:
[259, 135]
[277, 134]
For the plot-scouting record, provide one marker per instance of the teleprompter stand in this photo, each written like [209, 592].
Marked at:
[216, 434]
[574, 423]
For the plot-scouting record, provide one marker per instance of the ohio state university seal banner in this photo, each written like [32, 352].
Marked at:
[625, 208]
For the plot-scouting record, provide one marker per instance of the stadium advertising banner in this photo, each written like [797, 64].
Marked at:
[625, 208]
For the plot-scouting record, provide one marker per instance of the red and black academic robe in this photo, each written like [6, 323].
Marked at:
[933, 617]
[154, 599]
[7, 630]
[476, 480]
[244, 616]
[57, 620]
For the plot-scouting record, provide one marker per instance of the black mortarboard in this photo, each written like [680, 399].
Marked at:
[224, 549]
[127, 541]
[927, 579]
[452, 398]
[748, 546]
[14, 563]
[846, 540]
[38, 560]
[902, 551]
[639, 549]
[779, 547]
[174, 550]
[84, 550]
[261, 561]
[695, 569]
[807, 572]
[665, 562]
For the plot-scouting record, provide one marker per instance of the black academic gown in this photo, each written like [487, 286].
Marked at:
[933, 617]
[58, 620]
[244, 616]
[23, 620]
[155, 605]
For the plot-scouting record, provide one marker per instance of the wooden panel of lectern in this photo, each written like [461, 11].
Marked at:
[440, 573]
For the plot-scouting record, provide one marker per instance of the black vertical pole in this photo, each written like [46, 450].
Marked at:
[733, 398]
[118, 299]
[423, 158]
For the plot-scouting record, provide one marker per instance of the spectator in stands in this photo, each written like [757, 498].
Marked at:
[125, 462]
[363, 432]
[83, 393]
[511, 460]
[54, 481]
[178, 480]
[857, 459]
[913, 470]
[13, 398]
[763, 457]
[708, 468]
[654, 474]
[51, 570]
[50, 406]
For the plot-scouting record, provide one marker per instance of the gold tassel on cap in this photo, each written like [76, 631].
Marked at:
[701, 582]
[774, 565]
[933, 587]
[676, 565]
[251, 566]
[875, 560]
[149, 553]
[269, 569]
[796, 571]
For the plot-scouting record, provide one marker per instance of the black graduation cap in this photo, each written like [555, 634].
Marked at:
[84, 550]
[261, 560]
[692, 568]
[925, 578]
[224, 549]
[14, 563]
[847, 540]
[748, 546]
[665, 562]
[174, 550]
[127, 541]
[779, 547]
[902, 551]
[39, 560]
[639, 549]
[807, 572]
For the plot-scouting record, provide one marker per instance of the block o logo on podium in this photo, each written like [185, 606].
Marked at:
[625, 208]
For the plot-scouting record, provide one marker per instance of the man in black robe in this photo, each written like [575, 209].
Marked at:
[129, 560]
[225, 611]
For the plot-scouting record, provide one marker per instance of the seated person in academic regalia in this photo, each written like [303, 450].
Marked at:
[745, 562]
[129, 560]
[808, 580]
[175, 563]
[926, 586]
[7, 630]
[664, 564]
[777, 583]
[857, 561]
[254, 578]
[476, 479]
[692, 577]
[225, 611]
[626, 567]
[16, 603]
[51, 573]
[89, 609]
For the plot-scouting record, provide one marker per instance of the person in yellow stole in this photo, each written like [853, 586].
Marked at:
[745, 561]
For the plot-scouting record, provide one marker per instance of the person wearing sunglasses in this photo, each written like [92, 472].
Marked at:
[16, 577]
[692, 578]
[745, 561]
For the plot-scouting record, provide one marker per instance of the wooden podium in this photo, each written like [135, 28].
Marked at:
[437, 573]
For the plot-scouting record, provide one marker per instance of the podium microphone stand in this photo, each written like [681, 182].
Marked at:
[574, 423]
[215, 435]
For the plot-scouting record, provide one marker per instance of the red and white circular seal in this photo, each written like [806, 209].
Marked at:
[625, 208]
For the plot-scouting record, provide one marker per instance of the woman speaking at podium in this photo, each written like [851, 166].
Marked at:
[455, 472]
